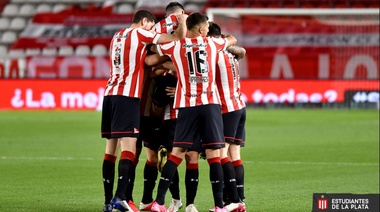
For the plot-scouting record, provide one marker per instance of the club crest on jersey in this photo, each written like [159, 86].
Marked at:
[117, 57]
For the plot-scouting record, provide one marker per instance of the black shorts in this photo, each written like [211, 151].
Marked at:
[151, 132]
[139, 143]
[169, 131]
[234, 127]
[120, 117]
[204, 121]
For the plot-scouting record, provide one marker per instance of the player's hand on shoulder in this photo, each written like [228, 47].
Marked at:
[182, 17]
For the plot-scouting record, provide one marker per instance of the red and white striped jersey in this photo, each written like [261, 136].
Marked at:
[228, 82]
[127, 53]
[195, 60]
[170, 112]
[167, 25]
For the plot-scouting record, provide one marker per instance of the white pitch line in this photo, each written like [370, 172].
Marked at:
[244, 161]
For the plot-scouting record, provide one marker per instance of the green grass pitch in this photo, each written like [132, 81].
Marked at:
[51, 160]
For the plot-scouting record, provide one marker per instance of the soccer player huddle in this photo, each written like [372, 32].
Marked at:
[173, 86]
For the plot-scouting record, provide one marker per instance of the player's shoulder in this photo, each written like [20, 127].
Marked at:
[170, 18]
[216, 40]
[145, 31]
[122, 31]
[173, 16]
[158, 26]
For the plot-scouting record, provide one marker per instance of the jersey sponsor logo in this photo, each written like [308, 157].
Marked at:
[170, 24]
[203, 92]
[198, 79]
[194, 45]
[237, 97]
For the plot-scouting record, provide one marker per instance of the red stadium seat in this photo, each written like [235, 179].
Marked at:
[291, 4]
[307, 5]
[258, 5]
[2, 5]
[324, 5]
[225, 5]
[342, 5]
[205, 6]
[358, 5]
[241, 4]
[275, 4]
[374, 5]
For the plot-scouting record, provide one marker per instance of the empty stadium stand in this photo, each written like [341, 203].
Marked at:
[17, 14]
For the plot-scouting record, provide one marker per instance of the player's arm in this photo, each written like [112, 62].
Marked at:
[155, 59]
[157, 71]
[169, 65]
[238, 51]
[231, 40]
[179, 33]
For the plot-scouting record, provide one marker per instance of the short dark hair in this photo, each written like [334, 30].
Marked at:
[214, 29]
[195, 19]
[173, 6]
[140, 14]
